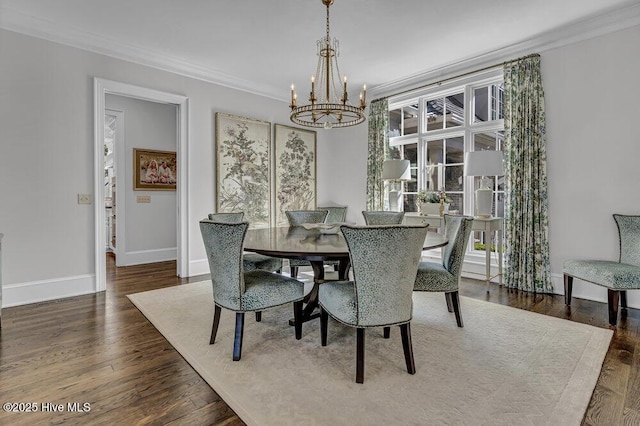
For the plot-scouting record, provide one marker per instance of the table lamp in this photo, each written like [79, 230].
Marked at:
[395, 171]
[483, 163]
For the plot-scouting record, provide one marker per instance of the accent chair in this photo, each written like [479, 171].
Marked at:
[617, 277]
[241, 291]
[385, 261]
[445, 276]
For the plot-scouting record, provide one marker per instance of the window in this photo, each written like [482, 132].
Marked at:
[435, 128]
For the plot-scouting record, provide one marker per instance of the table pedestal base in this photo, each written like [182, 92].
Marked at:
[311, 299]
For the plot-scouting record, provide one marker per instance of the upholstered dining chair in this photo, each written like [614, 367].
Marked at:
[297, 218]
[617, 277]
[444, 276]
[337, 214]
[382, 217]
[384, 261]
[241, 291]
[250, 261]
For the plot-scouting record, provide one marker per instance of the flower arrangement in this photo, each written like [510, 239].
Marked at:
[433, 197]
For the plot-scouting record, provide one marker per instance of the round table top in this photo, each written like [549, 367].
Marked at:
[299, 243]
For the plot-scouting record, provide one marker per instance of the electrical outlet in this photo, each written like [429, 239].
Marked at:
[143, 198]
[84, 198]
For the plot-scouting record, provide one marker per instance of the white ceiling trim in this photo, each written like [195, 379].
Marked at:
[617, 20]
[14, 20]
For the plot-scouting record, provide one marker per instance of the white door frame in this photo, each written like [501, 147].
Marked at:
[101, 87]
[118, 160]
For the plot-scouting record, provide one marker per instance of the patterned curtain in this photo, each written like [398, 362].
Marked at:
[526, 215]
[378, 150]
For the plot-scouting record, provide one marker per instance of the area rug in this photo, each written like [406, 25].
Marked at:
[505, 367]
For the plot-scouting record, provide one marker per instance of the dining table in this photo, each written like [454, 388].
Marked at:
[315, 246]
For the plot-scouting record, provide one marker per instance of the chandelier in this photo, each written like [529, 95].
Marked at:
[333, 108]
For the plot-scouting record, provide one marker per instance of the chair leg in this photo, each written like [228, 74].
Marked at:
[613, 297]
[623, 299]
[324, 320]
[407, 346]
[455, 302]
[216, 322]
[294, 272]
[237, 340]
[258, 316]
[447, 297]
[386, 332]
[568, 287]
[297, 318]
[360, 355]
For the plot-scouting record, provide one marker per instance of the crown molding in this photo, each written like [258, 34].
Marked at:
[609, 22]
[13, 20]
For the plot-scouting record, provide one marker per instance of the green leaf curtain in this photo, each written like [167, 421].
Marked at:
[526, 212]
[378, 149]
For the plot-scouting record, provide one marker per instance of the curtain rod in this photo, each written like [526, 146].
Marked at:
[437, 83]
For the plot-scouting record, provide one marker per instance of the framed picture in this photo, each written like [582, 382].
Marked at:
[295, 171]
[154, 170]
[243, 153]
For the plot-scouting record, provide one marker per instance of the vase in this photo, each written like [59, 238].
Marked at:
[432, 209]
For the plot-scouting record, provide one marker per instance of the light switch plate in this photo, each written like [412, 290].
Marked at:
[143, 198]
[84, 198]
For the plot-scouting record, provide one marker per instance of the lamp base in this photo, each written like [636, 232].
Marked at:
[484, 202]
[394, 200]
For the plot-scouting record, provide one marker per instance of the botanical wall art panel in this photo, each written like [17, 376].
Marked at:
[243, 168]
[295, 171]
[154, 170]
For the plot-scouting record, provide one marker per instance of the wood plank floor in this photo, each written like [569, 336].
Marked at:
[99, 349]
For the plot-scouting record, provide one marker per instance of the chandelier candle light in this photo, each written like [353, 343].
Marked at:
[335, 109]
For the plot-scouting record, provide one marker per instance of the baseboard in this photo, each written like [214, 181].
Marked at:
[141, 257]
[198, 267]
[42, 291]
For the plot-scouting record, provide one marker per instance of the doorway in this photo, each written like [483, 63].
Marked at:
[106, 87]
[113, 130]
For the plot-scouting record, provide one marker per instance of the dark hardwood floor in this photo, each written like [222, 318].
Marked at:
[99, 349]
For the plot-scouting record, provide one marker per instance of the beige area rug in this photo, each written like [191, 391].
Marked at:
[505, 367]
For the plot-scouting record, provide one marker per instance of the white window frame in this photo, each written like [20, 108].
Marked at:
[467, 130]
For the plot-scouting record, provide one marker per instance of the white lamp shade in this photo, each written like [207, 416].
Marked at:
[483, 163]
[396, 170]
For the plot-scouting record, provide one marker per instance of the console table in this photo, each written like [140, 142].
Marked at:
[488, 226]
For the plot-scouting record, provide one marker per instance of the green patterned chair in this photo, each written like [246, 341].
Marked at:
[241, 291]
[444, 276]
[617, 277]
[384, 261]
[250, 261]
[297, 218]
[382, 217]
[337, 214]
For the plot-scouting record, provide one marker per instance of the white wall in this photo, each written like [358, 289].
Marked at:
[593, 147]
[149, 228]
[46, 159]
[342, 170]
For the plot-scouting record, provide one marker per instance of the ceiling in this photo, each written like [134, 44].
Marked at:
[263, 46]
